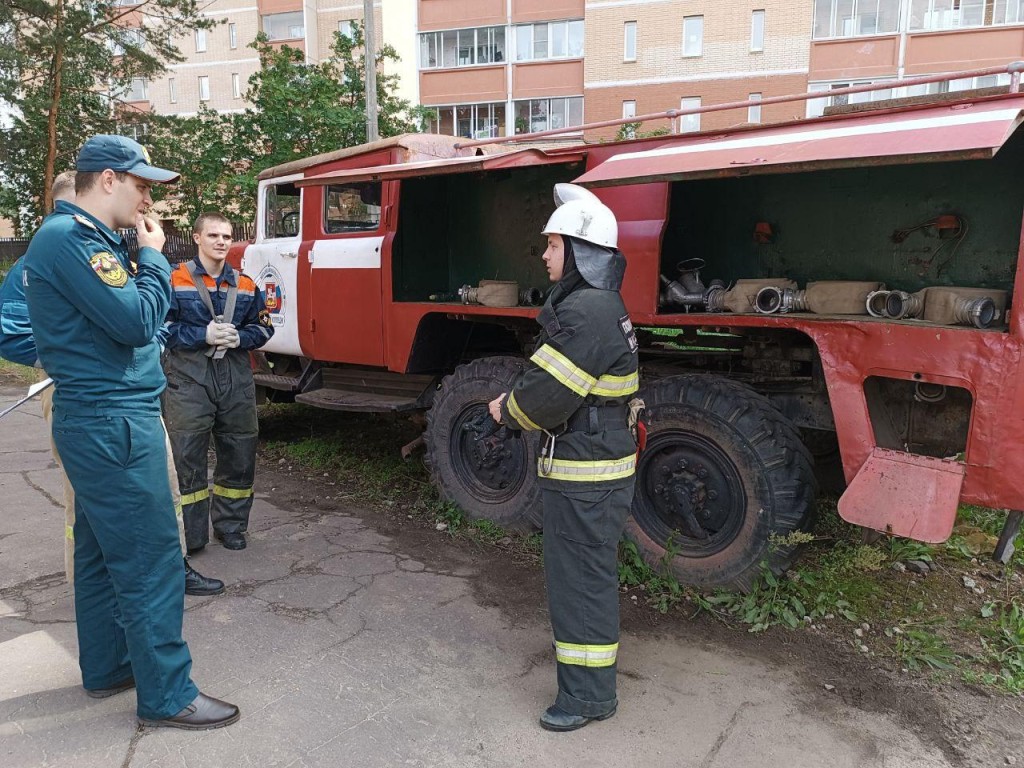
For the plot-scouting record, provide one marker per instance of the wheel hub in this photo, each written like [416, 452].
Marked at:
[493, 466]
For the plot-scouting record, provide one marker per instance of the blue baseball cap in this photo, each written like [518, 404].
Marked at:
[121, 154]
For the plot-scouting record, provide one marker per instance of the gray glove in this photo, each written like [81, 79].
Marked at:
[218, 333]
[231, 339]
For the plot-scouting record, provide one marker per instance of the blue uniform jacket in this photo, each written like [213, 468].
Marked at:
[188, 317]
[95, 321]
[16, 342]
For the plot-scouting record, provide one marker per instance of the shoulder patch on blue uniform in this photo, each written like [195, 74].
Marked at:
[626, 326]
[264, 318]
[108, 269]
[84, 221]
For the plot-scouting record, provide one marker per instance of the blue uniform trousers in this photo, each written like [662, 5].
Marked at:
[129, 579]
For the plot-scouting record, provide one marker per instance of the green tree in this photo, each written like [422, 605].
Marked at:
[65, 67]
[294, 110]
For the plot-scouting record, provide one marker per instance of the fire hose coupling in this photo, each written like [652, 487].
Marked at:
[772, 300]
[980, 312]
[875, 303]
[500, 293]
[976, 307]
[900, 305]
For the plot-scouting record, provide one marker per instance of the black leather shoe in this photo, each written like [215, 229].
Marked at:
[197, 584]
[232, 540]
[557, 719]
[194, 550]
[203, 714]
[102, 693]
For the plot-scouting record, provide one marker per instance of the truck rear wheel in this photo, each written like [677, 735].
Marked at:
[723, 470]
[494, 478]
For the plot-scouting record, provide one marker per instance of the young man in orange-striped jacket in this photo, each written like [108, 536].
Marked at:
[217, 315]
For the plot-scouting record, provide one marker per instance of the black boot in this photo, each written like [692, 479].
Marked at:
[197, 584]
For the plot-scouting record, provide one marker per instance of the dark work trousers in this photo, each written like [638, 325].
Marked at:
[129, 581]
[223, 405]
[581, 538]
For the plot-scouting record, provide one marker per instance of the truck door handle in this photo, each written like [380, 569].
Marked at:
[290, 254]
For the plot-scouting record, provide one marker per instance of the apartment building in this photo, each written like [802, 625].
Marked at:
[648, 56]
[858, 42]
[218, 62]
[499, 67]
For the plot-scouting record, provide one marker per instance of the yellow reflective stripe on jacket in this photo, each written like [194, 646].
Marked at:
[564, 370]
[519, 415]
[69, 532]
[616, 386]
[232, 493]
[587, 471]
[586, 655]
[192, 498]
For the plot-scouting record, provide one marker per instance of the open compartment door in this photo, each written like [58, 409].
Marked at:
[971, 131]
[903, 494]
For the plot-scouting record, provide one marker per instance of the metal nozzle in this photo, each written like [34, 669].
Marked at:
[772, 300]
[875, 303]
[980, 312]
[900, 305]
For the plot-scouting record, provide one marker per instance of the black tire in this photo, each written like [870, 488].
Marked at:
[495, 479]
[723, 470]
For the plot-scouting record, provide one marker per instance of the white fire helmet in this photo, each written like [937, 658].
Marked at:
[582, 216]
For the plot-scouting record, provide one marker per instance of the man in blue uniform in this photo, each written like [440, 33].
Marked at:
[18, 345]
[94, 317]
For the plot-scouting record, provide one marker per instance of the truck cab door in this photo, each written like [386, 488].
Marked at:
[272, 260]
[345, 285]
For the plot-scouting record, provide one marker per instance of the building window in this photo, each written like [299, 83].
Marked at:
[236, 85]
[138, 90]
[693, 36]
[462, 48]
[549, 40]
[548, 114]
[284, 26]
[471, 121]
[628, 109]
[816, 107]
[232, 36]
[200, 41]
[946, 14]
[352, 207]
[754, 110]
[1008, 12]
[851, 18]
[690, 123]
[345, 28]
[204, 88]
[757, 31]
[629, 41]
[172, 91]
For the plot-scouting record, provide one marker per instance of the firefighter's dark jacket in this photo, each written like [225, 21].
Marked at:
[184, 331]
[586, 359]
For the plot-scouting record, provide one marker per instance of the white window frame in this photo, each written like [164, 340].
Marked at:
[757, 24]
[1012, 12]
[754, 111]
[816, 107]
[345, 28]
[858, 9]
[172, 91]
[938, 15]
[629, 41]
[531, 55]
[485, 122]
[566, 128]
[143, 90]
[695, 24]
[628, 108]
[204, 87]
[200, 41]
[689, 123]
[236, 85]
[483, 38]
[232, 35]
[301, 28]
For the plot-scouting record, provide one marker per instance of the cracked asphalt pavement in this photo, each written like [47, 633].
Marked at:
[347, 647]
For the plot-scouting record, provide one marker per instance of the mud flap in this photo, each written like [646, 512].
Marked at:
[905, 495]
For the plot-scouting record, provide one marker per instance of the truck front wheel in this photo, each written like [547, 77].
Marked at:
[492, 477]
[723, 471]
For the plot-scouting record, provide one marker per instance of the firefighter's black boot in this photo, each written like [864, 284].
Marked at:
[197, 584]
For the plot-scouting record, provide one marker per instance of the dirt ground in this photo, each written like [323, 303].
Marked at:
[971, 725]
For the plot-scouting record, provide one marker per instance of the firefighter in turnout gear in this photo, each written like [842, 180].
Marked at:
[576, 396]
[217, 315]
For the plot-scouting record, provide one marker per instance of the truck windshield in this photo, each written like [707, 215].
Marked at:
[352, 207]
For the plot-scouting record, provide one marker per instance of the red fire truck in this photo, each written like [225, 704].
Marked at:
[827, 292]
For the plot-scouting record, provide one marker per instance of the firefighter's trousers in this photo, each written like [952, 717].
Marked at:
[129, 581]
[224, 406]
[581, 537]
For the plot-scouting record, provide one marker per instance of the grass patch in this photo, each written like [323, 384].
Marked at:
[14, 375]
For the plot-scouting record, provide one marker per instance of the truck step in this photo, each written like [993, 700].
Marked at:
[351, 400]
[276, 381]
